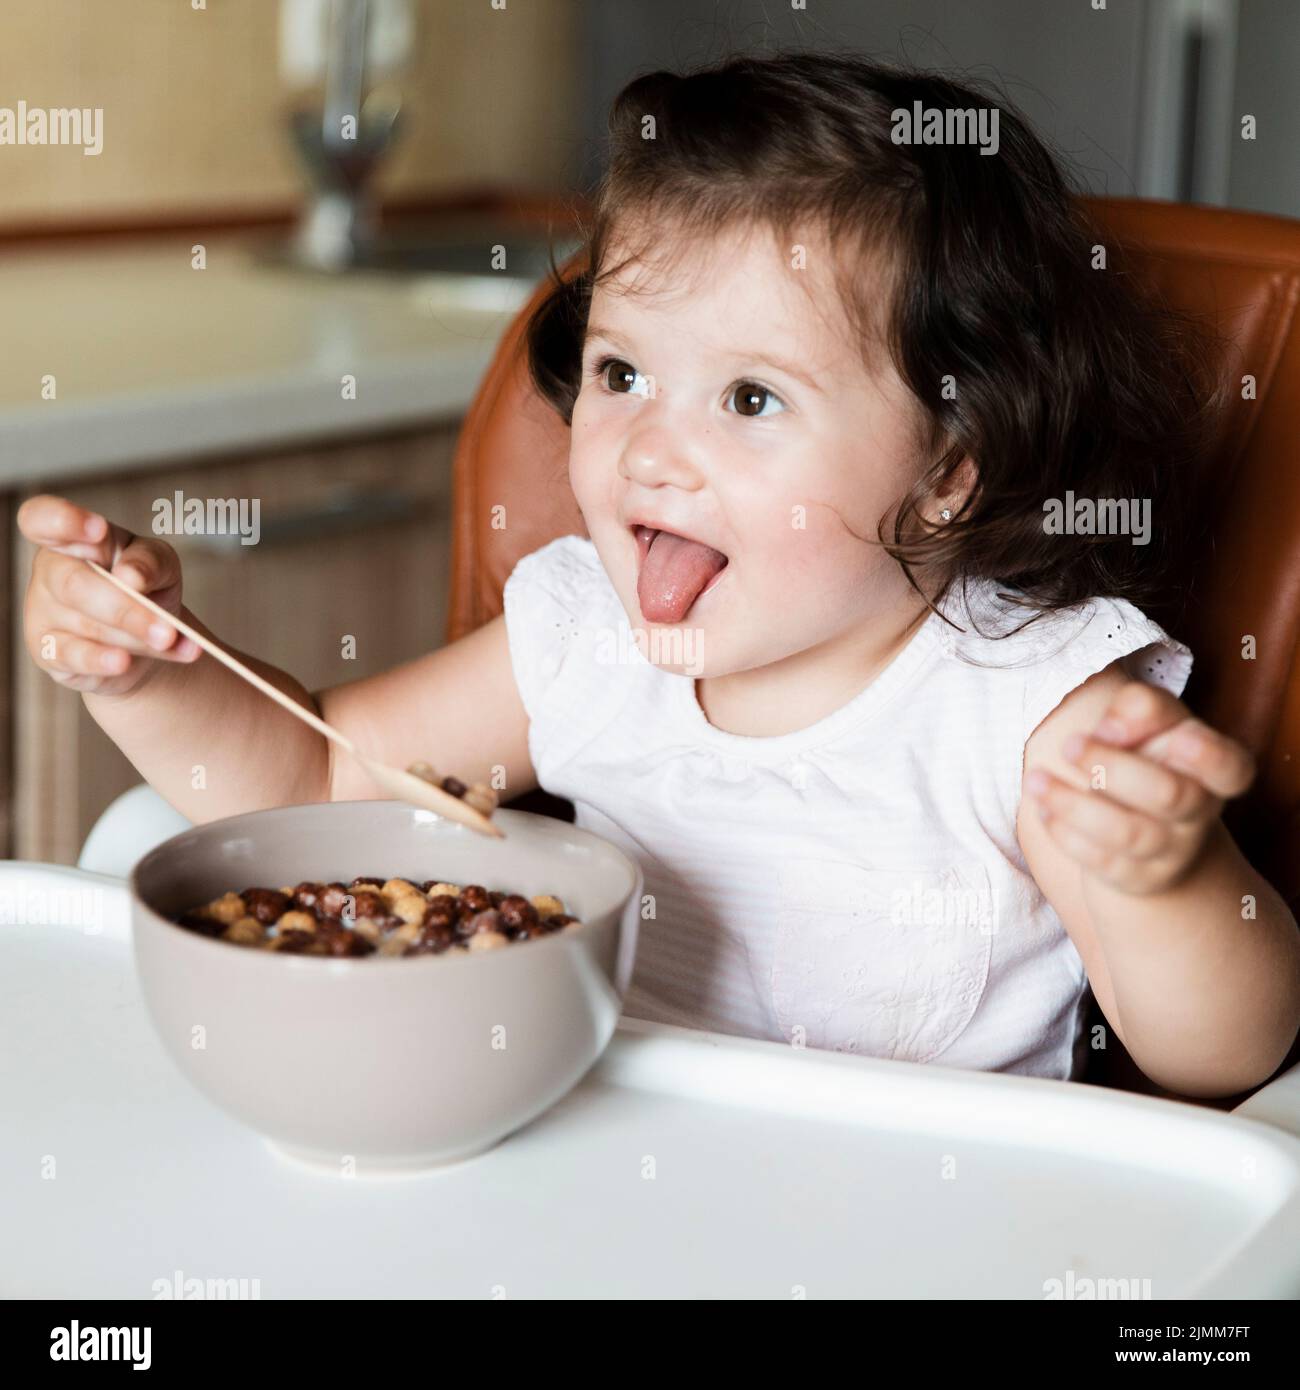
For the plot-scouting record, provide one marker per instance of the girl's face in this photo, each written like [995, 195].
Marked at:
[732, 409]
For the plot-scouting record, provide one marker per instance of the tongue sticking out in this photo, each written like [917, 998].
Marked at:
[673, 573]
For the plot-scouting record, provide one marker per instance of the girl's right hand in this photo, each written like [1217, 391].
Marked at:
[85, 633]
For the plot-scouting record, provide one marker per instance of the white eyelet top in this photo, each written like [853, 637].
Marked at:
[856, 884]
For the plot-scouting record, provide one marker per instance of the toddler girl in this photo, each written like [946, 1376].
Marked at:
[879, 462]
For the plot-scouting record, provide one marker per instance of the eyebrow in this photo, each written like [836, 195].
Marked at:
[765, 359]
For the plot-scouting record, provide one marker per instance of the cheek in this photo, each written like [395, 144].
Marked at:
[589, 475]
[807, 538]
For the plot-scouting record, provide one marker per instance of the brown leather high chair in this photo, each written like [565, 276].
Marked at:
[1240, 272]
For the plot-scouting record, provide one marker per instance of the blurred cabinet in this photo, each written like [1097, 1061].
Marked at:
[350, 576]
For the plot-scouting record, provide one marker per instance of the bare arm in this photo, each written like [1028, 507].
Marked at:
[457, 708]
[1202, 990]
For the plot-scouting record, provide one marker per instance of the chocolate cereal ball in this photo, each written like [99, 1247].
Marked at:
[474, 898]
[268, 905]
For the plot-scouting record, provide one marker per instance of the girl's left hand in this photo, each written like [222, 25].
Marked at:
[1157, 780]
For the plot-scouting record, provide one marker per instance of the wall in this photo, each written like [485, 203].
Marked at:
[193, 105]
[1074, 71]
[1103, 86]
[1266, 171]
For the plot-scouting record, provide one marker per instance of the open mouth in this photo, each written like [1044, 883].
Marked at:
[673, 572]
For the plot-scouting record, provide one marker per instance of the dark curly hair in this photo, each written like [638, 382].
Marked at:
[1069, 378]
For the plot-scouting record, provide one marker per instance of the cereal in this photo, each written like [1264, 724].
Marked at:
[202, 922]
[265, 904]
[517, 912]
[228, 909]
[482, 798]
[474, 898]
[245, 931]
[307, 896]
[378, 916]
[397, 888]
[334, 900]
[296, 921]
[487, 920]
[436, 934]
[293, 941]
[339, 941]
[368, 929]
[410, 907]
[488, 941]
[367, 903]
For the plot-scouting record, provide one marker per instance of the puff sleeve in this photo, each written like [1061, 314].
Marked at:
[1109, 629]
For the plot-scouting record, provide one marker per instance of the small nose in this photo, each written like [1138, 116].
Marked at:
[654, 457]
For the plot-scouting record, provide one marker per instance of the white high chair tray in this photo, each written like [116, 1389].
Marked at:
[685, 1165]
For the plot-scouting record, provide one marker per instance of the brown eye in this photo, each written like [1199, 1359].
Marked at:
[751, 400]
[619, 376]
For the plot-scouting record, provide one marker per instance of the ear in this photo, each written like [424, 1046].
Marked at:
[960, 483]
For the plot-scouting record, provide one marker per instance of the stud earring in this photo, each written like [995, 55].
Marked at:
[946, 514]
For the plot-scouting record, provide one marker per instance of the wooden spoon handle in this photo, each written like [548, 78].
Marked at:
[238, 667]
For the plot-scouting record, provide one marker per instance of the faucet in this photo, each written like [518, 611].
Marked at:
[340, 143]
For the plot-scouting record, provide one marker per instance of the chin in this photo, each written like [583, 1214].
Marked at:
[675, 648]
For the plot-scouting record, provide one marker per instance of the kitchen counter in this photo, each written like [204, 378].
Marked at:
[154, 361]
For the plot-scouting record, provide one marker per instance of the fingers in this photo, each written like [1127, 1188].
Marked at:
[87, 604]
[82, 629]
[153, 568]
[149, 566]
[1156, 724]
[1136, 781]
[1091, 821]
[62, 652]
[1218, 762]
[57, 524]
[1137, 713]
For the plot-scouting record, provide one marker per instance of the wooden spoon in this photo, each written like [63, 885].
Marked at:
[405, 786]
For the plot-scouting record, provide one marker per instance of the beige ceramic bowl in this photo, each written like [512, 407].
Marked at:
[384, 1064]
